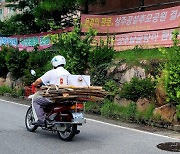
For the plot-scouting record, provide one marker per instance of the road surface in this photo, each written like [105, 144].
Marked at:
[95, 137]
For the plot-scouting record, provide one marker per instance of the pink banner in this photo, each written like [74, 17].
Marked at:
[151, 39]
[140, 21]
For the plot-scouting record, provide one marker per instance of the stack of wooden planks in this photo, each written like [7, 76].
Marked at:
[60, 93]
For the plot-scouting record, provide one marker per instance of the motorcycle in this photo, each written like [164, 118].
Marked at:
[61, 117]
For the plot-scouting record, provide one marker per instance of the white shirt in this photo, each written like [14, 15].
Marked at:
[53, 76]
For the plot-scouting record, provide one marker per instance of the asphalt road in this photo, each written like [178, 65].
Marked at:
[95, 137]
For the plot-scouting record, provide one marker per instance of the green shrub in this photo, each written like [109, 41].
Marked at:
[99, 59]
[75, 49]
[128, 112]
[13, 92]
[100, 55]
[38, 61]
[172, 72]
[16, 61]
[3, 66]
[110, 109]
[172, 81]
[178, 111]
[112, 87]
[5, 89]
[92, 107]
[98, 75]
[138, 88]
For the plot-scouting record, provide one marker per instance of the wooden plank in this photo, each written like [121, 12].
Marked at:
[71, 87]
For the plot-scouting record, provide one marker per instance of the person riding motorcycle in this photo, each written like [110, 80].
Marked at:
[51, 77]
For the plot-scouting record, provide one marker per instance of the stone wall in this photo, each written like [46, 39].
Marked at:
[121, 73]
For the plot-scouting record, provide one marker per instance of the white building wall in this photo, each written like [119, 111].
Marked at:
[5, 12]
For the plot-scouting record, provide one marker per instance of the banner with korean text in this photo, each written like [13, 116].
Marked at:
[149, 39]
[140, 21]
[28, 42]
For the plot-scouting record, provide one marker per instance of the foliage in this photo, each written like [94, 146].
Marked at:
[13, 92]
[19, 63]
[38, 61]
[3, 67]
[16, 61]
[101, 54]
[178, 111]
[18, 25]
[110, 109]
[98, 75]
[138, 88]
[172, 71]
[92, 107]
[99, 59]
[112, 87]
[145, 116]
[127, 112]
[133, 56]
[40, 13]
[154, 67]
[76, 49]
[5, 89]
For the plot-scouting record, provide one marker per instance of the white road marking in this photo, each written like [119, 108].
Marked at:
[132, 129]
[14, 103]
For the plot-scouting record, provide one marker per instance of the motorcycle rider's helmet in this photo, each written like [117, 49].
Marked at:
[58, 61]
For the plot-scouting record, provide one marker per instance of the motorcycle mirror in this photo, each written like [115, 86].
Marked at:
[33, 72]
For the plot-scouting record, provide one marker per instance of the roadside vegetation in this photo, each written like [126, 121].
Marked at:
[83, 58]
[137, 54]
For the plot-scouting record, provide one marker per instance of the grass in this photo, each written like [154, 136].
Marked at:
[135, 55]
[13, 92]
[5, 89]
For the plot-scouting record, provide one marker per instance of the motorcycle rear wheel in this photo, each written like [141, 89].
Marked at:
[69, 133]
[29, 119]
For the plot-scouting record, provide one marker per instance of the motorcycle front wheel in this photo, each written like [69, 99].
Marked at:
[29, 119]
[69, 133]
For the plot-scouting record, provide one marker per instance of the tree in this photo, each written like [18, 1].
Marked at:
[38, 15]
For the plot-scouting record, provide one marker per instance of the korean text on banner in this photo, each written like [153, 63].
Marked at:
[140, 21]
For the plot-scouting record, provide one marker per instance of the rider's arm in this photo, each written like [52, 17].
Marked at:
[37, 82]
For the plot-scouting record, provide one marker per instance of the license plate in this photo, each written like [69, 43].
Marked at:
[77, 116]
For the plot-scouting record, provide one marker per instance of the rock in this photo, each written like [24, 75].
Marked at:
[110, 71]
[122, 101]
[144, 62]
[19, 83]
[143, 104]
[167, 113]
[176, 128]
[133, 72]
[122, 67]
[9, 80]
[160, 93]
[12, 82]
[116, 69]
[2, 81]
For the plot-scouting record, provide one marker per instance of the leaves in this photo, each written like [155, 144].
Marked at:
[138, 88]
[37, 15]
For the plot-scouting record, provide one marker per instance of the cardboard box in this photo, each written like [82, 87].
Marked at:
[79, 80]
